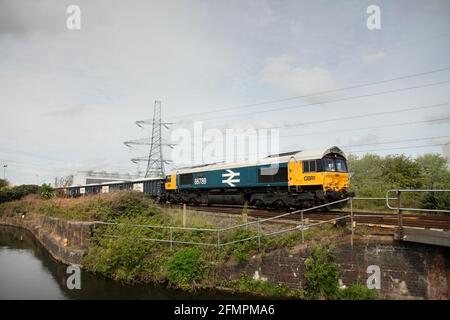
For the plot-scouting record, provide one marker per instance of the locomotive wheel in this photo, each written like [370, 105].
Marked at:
[259, 204]
[279, 204]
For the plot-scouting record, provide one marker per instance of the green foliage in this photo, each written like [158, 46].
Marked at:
[262, 288]
[436, 200]
[18, 192]
[119, 252]
[183, 269]
[358, 292]
[321, 273]
[130, 204]
[3, 183]
[321, 279]
[435, 170]
[402, 172]
[372, 175]
[242, 251]
[46, 191]
[436, 177]
[104, 207]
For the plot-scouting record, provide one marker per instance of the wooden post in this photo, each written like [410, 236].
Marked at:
[400, 217]
[184, 215]
[351, 221]
[303, 225]
[259, 236]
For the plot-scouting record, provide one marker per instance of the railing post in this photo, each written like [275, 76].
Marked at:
[303, 224]
[351, 220]
[171, 237]
[259, 236]
[400, 216]
[184, 215]
[218, 238]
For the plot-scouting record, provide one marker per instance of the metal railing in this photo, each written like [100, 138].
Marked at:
[400, 209]
[218, 237]
[399, 192]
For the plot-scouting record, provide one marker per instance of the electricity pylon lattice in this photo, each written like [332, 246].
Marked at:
[155, 160]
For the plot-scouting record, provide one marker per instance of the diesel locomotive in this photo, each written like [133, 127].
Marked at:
[298, 179]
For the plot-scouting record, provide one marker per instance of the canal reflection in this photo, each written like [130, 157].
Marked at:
[27, 271]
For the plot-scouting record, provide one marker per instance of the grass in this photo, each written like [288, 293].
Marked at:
[262, 288]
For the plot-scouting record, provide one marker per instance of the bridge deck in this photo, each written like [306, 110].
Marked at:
[427, 236]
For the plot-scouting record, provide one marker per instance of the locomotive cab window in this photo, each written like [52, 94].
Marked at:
[341, 165]
[312, 166]
[329, 165]
[335, 164]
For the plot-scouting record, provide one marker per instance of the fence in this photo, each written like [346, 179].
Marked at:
[218, 232]
[400, 209]
[218, 239]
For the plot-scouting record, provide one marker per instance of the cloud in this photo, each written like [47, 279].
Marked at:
[66, 112]
[283, 73]
[362, 140]
[28, 16]
[374, 57]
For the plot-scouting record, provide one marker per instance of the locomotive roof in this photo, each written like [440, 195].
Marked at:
[284, 157]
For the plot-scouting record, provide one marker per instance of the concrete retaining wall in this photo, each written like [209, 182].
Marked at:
[66, 241]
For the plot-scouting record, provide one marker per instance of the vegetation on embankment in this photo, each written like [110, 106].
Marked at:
[372, 175]
[9, 193]
[104, 207]
[122, 252]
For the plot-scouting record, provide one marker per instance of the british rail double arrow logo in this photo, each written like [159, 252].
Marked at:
[230, 178]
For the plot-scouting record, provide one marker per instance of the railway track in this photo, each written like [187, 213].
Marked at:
[375, 218]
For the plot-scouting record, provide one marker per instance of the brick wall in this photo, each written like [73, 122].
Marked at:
[408, 270]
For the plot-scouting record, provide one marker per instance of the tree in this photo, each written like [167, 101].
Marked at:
[366, 175]
[400, 171]
[3, 183]
[434, 167]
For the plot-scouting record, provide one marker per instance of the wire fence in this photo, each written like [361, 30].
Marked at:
[217, 237]
[217, 234]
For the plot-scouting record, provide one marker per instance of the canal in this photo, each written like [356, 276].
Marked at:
[27, 271]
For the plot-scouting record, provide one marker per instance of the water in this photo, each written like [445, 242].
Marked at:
[27, 271]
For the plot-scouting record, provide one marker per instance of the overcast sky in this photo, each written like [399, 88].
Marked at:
[69, 98]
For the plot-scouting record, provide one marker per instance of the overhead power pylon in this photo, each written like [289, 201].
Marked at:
[155, 159]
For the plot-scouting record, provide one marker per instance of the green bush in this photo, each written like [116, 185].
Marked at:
[130, 205]
[183, 269]
[119, 252]
[46, 191]
[321, 280]
[358, 292]
[263, 288]
[242, 251]
[18, 192]
[3, 183]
